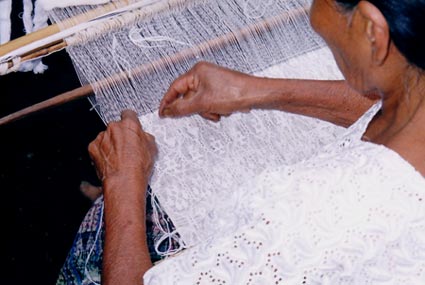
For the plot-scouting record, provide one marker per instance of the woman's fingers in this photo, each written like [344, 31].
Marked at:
[211, 117]
[179, 87]
[123, 147]
[95, 154]
[183, 106]
[130, 121]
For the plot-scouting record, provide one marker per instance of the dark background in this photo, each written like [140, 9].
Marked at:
[43, 159]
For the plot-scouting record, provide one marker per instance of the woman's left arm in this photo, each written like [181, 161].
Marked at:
[124, 155]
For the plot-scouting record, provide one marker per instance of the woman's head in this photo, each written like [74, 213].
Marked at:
[406, 21]
[371, 39]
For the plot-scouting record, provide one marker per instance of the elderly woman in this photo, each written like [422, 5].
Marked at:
[352, 214]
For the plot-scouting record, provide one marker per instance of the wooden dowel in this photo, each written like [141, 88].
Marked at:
[41, 52]
[45, 51]
[25, 40]
[56, 28]
[51, 47]
[216, 43]
[69, 96]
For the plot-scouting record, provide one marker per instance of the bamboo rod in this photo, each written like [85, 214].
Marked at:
[56, 28]
[217, 43]
[27, 39]
[44, 51]
[55, 47]
[58, 44]
[69, 96]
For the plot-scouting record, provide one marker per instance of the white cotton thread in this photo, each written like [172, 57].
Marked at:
[120, 61]
[26, 66]
[4, 67]
[151, 42]
[40, 19]
[171, 236]
[254, 9]
[16, 64]
[34, 18]
[27, 16]
[98, 232]
[39, 67]
[5, 21]
[94, 106]
[166, 233]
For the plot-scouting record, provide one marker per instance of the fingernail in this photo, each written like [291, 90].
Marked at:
[166, 112]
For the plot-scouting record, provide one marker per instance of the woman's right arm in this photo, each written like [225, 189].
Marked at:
[213, 91]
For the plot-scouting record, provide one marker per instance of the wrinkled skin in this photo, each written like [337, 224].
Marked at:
[123, 148]
[207, 89]
[124, 155]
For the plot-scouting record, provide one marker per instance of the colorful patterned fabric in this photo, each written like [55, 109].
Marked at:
[84, 262]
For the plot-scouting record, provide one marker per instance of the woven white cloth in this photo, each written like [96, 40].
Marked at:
[200, 163]
[353, 213]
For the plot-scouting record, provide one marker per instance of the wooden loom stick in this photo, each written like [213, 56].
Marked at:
[216, 43]
[58, 44]
[56, 28]
[52, 102]
[55, 47]
[27, 39]
[45, 51]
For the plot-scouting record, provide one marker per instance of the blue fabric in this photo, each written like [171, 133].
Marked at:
[84, 262]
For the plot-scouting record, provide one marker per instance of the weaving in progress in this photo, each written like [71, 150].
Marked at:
[130, 52]
[244, 194]
[132, 59]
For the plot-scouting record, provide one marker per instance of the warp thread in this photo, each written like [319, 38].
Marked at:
[120, 61]
[136, 37]
[254, 9]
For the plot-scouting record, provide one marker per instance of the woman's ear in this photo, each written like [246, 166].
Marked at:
[376, 31]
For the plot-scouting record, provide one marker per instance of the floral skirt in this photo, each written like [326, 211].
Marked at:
[84, 262]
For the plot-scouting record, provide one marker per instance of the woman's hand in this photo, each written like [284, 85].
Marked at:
[124, 155]
[209, 90]
[124, 149]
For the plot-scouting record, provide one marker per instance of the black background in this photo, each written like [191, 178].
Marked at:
[43, 159]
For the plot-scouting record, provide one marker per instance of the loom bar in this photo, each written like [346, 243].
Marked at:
[66, 97]
[56, 28]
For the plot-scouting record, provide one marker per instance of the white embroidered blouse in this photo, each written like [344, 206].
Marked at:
[352, 214]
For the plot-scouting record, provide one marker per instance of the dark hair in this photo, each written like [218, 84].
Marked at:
[406, 20]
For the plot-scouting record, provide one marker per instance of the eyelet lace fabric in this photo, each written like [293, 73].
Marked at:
[274, 198]
[353, 213]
